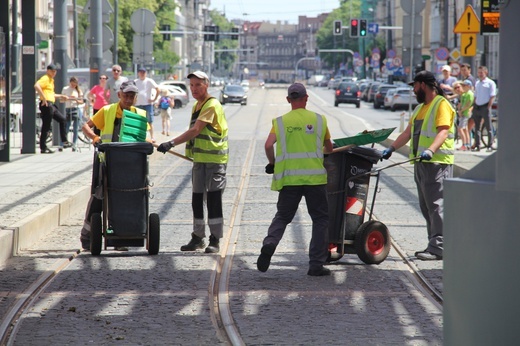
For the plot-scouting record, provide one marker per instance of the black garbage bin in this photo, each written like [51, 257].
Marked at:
[125, 197]
[347, 187]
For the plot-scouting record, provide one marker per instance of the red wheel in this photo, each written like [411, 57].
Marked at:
[372, 242]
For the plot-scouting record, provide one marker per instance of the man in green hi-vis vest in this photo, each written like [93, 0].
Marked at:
[431, 131]
[297, 167]
[207, 144]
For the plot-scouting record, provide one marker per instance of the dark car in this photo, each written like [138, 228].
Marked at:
[233, 94]
[347, 92]
[379, 96]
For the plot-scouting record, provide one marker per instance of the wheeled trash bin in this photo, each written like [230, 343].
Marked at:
[125, 220]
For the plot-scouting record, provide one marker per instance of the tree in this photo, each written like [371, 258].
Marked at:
[224, 60]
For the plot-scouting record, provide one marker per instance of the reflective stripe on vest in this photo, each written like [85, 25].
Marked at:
[299, 168]
[445, 154]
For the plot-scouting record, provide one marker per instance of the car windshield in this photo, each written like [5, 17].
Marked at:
[234, 88]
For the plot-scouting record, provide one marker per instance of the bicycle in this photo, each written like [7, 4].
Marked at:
[485, 136]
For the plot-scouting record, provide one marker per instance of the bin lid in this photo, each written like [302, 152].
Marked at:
[365, 137]
[369, 154]
[136, 147]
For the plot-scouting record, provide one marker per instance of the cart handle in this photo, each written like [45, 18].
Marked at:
[175, 153]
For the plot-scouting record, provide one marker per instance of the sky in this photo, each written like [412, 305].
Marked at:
[273, 10]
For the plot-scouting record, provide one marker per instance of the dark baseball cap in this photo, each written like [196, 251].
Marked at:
[296, 91]
[142, 69]
[129, 87]
[424, 76]
[52, 67]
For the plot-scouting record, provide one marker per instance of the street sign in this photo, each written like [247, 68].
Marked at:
[468, 44]
[397, 61]
[410, 6]
[468, 22]
[373, 28]
[455, 54]
[490, 15]
[143, 21]
[455, 68]
[442, 53]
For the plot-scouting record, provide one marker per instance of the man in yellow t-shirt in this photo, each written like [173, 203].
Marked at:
[431, 131]
[45, 88]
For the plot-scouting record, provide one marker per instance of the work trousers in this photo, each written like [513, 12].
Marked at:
[317, 205]
[429, 178]
[48, 113]
[479, 113]
[209, 182]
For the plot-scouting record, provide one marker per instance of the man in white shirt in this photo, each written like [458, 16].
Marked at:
[145, 97]
[485, 93]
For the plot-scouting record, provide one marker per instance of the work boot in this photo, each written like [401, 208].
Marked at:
[194, 244]
[213, 246]
[264, 260]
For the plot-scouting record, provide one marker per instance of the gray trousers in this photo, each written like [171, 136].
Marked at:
[317, 206]
[429, 178]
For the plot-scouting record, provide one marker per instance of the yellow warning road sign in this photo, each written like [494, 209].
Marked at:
[468, 44]
[468, 23]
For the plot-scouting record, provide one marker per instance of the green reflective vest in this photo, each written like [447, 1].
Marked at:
[210, 146]
[110, 112]
[446, 153]
[300, 135]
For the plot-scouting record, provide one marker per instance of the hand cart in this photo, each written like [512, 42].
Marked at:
[349, 169]
[125, 220]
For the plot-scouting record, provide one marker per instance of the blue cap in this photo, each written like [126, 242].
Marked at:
[468, 82]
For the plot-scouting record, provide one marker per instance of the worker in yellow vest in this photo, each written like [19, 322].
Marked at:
[108, 121]
[297, 167]
[207, 144]
[431, 131]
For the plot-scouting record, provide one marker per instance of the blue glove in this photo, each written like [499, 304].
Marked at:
[269, 169]
[426, 155]
[387, 153]
[164, 147]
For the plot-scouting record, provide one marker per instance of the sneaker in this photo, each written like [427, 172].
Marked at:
[318, 271]
[67, 144]
[264, 260]
[194, 244]
[47, 151]
[428, 256]
[85, 245]
[213, 246]
[418, 252]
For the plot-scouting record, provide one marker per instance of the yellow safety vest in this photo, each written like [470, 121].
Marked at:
[446, 153]
[110, 112]
[299, 149]
[210, 146]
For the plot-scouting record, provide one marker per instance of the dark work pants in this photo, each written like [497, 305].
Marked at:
[48, 113]
[317, 206]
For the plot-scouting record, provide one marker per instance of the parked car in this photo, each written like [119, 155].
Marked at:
[372, 91]
[347, 92]
[389, 98]
[379, 96]
[402, 98]
[177, 83]
[179, 96]
[245, 84]
[233, 94]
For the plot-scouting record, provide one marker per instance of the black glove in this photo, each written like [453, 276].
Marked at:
[97, 143]
[426, 155]
[269, 169]
[387, 153]
[164, 147]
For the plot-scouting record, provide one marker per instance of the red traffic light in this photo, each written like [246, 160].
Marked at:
[353, 22]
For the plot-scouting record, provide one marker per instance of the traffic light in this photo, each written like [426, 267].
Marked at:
[165, 27]
[234, 33]
[338, 30]
[354, 28]
[211, 33]
[362, 27]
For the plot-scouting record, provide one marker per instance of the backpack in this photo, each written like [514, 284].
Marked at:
[165, 103]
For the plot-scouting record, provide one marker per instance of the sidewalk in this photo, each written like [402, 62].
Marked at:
[41, 191]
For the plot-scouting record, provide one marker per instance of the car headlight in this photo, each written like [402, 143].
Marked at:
[224, 96]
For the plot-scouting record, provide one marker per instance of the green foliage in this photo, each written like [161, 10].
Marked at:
[224, 60]
[164, 11]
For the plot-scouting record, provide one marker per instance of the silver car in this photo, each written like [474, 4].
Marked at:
[402, 99]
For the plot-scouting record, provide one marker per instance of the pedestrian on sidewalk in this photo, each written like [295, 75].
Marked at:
[207, 144]
[485, 93]
[431, 134]
[146, 97]
[113, 85]
[97, 94]
[301, 137]
[72, 110]
[165, 105]
[45, 89]
[108, 121]
[464, 113]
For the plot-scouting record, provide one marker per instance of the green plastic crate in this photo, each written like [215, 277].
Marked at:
[365, 137]
[133, 127]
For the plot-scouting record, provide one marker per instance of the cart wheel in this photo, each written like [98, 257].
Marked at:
[152, 243]
[96, 234]
[372, 242]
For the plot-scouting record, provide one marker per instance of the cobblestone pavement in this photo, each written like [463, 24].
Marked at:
[136, 299]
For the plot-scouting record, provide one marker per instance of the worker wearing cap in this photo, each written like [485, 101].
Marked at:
[207, 144]
[431, 133]
[45, 89]
[108, 121]
[447, 80]
[297, 167]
